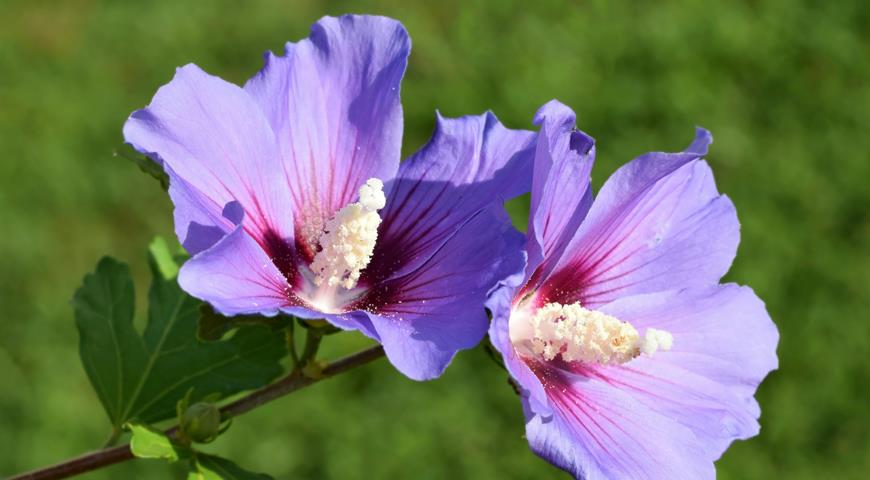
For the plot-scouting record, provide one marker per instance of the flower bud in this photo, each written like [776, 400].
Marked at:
[201, 422]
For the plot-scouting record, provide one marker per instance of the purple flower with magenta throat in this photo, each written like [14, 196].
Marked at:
[290, 196]
[631, 359]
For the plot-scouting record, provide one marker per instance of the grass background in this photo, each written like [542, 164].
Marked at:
[783, 85]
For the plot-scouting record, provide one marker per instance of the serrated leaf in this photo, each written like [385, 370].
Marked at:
[211, 467]
[141, 377]
[147, 442]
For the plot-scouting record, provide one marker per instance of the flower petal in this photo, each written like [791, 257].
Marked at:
[236, 277]
[199, 222]
[715, 413]
[534, 397]
[658, 224]
[561, 189]
[722, 333]
[598, 431]
[425, 316]
[333, 102]
[469, 163]
[214, 139]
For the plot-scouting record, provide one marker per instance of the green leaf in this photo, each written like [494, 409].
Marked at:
[147, 442]
[144, 163]
[212, 326]
[211, 467]
[141, 377]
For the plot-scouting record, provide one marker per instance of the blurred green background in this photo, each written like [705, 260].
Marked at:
[783, 85]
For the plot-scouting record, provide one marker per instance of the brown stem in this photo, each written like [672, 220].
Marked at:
[292, 382]
[82, 464]
[297, 381]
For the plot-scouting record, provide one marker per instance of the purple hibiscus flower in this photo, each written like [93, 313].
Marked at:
[290, 197]
[632, 360]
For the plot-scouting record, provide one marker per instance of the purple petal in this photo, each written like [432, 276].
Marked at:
[722, 333]
[599, 431]
[534, 396]
[199, 222]
[333, 102]
[658, 224]
[469, 163]
[425, 316]
[236, 277]
[218, 148]
[421, 352]
[724, 345]
[561, 190]
[715, 413]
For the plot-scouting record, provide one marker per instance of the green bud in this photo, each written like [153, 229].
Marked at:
[201, 422]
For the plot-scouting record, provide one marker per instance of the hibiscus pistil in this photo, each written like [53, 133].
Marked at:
[577, 334]
[349, 238]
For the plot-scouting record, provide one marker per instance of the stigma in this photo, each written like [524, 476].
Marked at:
[577, 334]
[348, 239]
